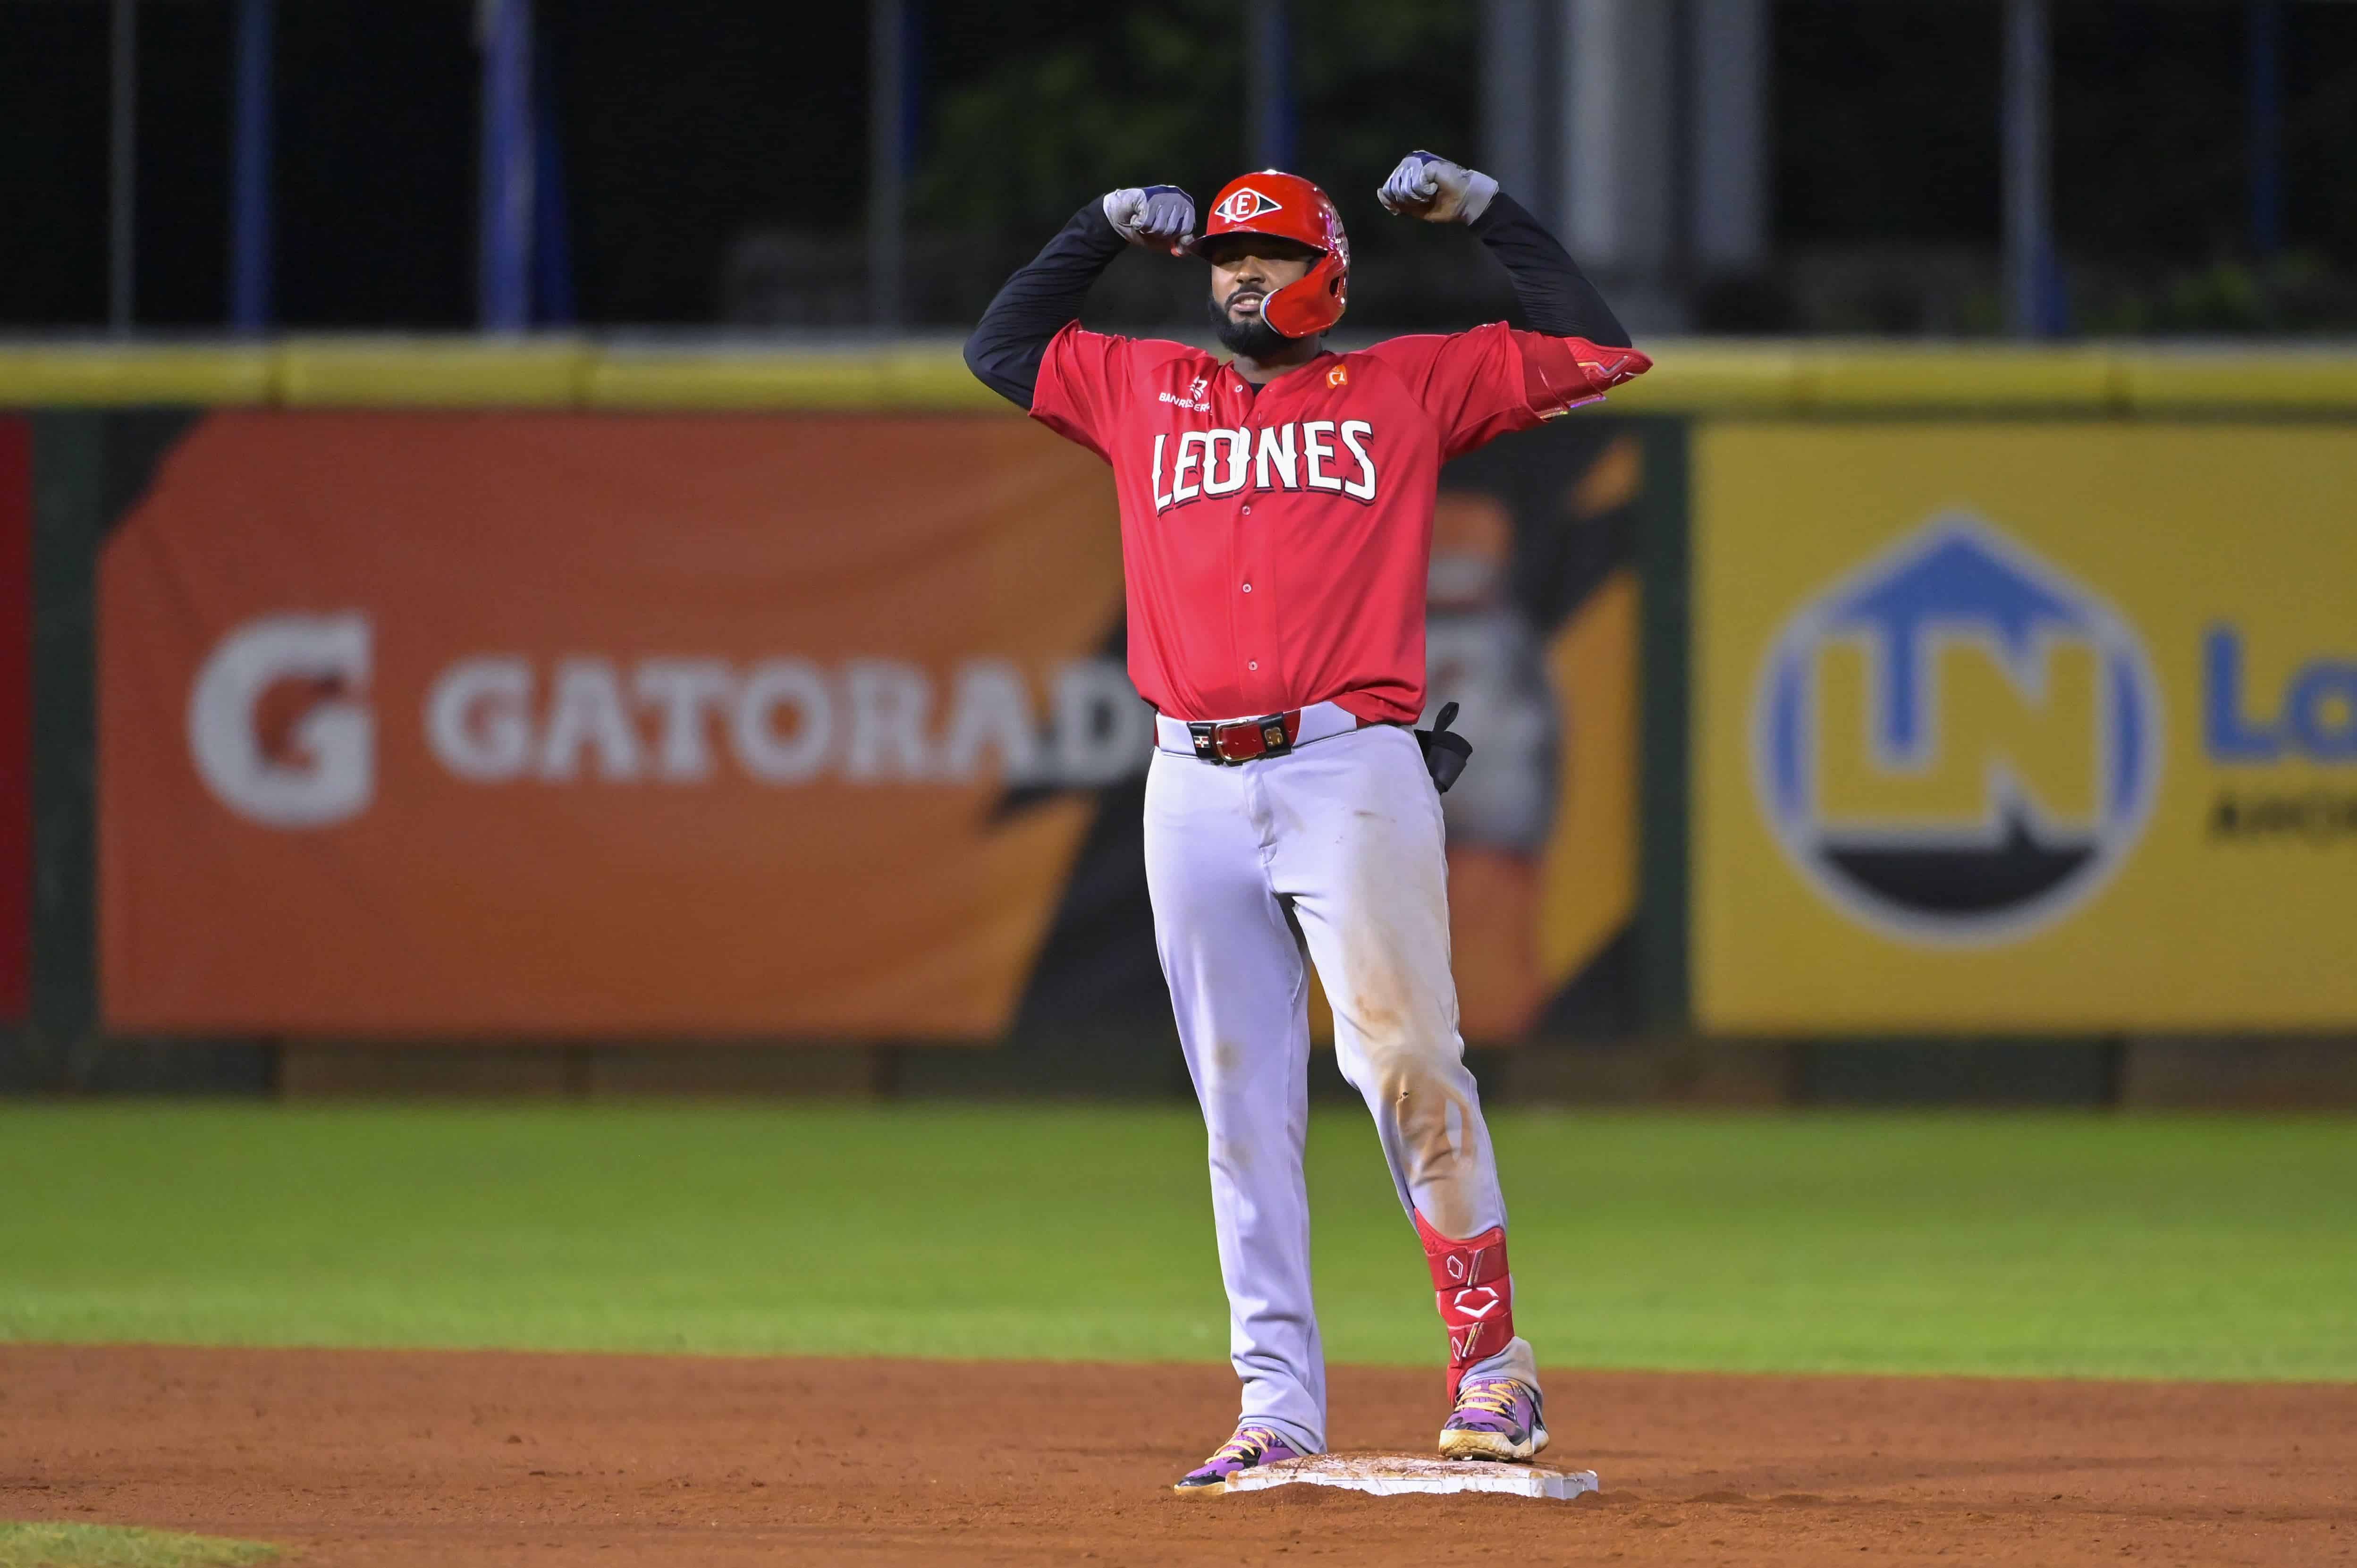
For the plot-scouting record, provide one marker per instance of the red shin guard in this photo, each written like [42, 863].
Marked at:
[1475, 1293]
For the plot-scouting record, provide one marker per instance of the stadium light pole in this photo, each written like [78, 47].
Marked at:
[1621, 175]
[249, 242]
[2029, 161]
[1268, 88]
[1512, 93]
[888, 161]
[122, 164]
[1728, 57]
[503, 281]
[2265, 22]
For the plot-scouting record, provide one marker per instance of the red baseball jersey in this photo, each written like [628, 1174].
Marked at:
[1276, 542]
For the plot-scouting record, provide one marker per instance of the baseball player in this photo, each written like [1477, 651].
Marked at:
[1276, 520]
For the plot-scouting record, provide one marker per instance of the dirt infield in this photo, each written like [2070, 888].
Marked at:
[413, 1459]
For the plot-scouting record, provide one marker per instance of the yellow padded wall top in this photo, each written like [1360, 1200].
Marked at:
[1697, 376]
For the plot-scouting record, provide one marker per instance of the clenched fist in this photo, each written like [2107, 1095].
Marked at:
[1152, 215]
[1429, 187]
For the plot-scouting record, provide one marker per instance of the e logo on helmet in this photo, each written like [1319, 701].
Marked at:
[1243, 206]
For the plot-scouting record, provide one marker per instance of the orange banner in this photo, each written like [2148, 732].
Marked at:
[575, 726]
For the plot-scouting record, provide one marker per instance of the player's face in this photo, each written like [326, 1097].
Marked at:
[1247, 268]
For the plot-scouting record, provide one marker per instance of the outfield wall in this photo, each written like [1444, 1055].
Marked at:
[2017, 727]
[540, 762]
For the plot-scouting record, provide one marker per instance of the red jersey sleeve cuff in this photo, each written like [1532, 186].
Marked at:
[1561, 374]
[1064, 397]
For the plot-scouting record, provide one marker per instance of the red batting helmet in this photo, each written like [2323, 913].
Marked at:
[1288, 206]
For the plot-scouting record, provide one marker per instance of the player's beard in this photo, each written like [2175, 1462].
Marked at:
[1251, 337]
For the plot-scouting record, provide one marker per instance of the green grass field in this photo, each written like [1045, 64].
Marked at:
[2072, 1245]
[114, 1546]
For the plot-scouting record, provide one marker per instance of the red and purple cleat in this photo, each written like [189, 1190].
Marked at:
[1251, 1448]
[1497, 1418]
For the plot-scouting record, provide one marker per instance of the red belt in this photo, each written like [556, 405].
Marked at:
[1271, 735]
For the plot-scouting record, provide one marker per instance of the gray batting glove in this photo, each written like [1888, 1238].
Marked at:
[1160, 215]
[1429, 187]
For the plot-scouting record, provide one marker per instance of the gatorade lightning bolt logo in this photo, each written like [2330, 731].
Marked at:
[1243, 206]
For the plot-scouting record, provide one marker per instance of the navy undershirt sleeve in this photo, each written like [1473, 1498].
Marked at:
[1011, 336]
[1555, 296]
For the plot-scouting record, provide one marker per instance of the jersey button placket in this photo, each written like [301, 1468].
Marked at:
[1252, 613]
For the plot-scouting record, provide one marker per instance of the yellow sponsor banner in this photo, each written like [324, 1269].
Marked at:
[2025, 726]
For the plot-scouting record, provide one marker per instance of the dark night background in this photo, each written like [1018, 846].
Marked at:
[690, 125]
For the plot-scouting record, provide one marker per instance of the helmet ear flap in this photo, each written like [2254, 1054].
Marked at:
[1312, 303]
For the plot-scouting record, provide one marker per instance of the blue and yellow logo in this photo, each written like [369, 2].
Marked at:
[1957, 743]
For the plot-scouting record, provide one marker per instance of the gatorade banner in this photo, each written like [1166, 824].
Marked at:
[460, 727]
[444, 725]
[2015, 727]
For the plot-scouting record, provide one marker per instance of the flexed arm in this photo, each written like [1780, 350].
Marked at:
[1554, 295]
[1007, 344]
